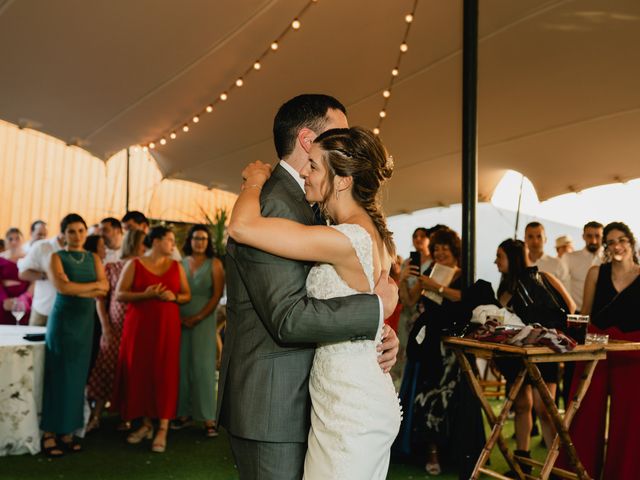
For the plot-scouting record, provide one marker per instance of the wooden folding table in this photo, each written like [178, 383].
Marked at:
[531, 356]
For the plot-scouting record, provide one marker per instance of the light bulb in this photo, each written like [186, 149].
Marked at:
[408, 18]
[239, 82]
[152, 145]
[386, 94]
[404, 47]
[376, 131]
[145, 149]
[185, 128]
[163, 141]
[274, 46]
[196, 119]
[257, 66]
[173, 136]
[295, 24]
[382, 114]
[395, 72]
[209, 108]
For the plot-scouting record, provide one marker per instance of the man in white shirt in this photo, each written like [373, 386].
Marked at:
[38, 232]
[564, 245]
[535, 238]
[578, 263]
[135, 220]
[111, 231]
[34, 268]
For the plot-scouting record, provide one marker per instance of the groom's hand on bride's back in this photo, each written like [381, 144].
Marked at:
[387, 290]
[389, 348]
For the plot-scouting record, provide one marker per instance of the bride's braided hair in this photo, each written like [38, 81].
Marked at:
[358, 153]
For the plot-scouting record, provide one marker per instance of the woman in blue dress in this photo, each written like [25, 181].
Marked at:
[79, 278]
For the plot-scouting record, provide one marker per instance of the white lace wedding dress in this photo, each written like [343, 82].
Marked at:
[355, 412]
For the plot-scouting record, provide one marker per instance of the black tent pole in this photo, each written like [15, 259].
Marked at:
[469, 140]
[126, 203]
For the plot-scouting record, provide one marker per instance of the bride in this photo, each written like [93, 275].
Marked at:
[355, 414]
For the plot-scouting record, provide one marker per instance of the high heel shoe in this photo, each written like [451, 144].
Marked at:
[433, 467]
[145, 432]
[158, 446]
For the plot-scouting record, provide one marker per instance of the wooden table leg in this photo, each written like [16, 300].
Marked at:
[497, 423]
[562, 429]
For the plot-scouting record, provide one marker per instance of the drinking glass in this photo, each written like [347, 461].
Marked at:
[18, 310]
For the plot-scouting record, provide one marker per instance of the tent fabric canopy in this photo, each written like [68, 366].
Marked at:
[557, 99]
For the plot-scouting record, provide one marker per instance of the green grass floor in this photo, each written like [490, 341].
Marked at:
[189, 456]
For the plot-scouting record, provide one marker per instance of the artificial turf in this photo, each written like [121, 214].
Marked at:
[189, 456]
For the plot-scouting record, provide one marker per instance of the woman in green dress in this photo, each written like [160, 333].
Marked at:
[79, 278]
[197, 398]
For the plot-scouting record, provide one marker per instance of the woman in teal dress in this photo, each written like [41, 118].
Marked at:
[197, 398]
[79, 278]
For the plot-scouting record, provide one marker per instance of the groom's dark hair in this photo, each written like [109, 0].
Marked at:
[304, 111]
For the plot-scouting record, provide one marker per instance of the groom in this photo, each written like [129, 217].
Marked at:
[272, 326]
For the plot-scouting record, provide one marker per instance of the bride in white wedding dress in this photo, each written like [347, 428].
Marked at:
[355, 412]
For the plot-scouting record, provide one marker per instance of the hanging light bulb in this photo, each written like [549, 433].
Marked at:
[386, 94]
[274, 46]
[395, 72]
[239, 82]
[209, 108]
[382, 114]
[295, 24]
[376, 131]
[185, 128]
[173, 136]
[257, 66]
[196, 119]
[224, 96]
[163, 141]
[152, 145]
[404, 47]
[408, 18]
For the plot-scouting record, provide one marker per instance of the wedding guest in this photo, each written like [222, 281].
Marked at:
[135, 220]
[564, 244]
[13, 291]
[205, 274]
[14, 241]
[93, 229]
[432, 372]
[2, 245]
[612, 298]
[535, 297]
[95, 244]
[39, 232]
[34, 268]
[535, 238]
[578, 264]
[111, 231]
[147, 376]
[111, 313]
[78, 277]
[409, 288]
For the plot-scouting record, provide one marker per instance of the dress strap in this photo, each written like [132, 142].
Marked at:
[362, 244]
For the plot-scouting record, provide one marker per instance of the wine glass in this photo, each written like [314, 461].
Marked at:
[18, 310]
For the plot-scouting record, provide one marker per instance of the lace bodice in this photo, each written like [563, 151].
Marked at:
[324, 282]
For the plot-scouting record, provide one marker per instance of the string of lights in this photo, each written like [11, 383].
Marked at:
[223, 96]
[404, 48]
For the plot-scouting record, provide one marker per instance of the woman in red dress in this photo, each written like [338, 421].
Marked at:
[612, 298]
[148, 369]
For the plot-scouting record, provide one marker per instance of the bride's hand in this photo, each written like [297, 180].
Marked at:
[255, 174]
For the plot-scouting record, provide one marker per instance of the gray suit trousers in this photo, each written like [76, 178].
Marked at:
[268, 460]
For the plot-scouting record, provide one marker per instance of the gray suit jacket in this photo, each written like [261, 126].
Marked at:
[272, 328]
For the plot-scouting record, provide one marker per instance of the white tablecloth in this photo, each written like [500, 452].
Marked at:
[21, 375]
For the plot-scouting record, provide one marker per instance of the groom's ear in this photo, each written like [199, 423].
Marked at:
[306, 138]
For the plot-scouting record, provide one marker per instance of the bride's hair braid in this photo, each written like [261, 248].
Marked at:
[358, 153]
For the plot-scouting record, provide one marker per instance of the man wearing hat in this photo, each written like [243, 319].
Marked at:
[564, 244]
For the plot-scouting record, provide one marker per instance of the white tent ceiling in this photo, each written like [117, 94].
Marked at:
[558, 84]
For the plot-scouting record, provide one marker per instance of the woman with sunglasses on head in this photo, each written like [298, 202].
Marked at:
[612, 298]
[197, 397]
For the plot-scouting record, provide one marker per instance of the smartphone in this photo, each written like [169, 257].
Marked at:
[414, 259]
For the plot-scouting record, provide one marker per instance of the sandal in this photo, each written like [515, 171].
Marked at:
[93, 424]
[210, 430]
[72, 445]
[144, 432]
[158, 446]
[433, 467]
[180, 423]
[52, 451]
[123, 427]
